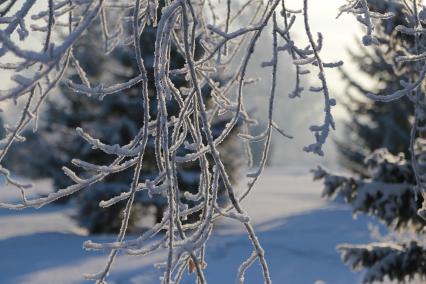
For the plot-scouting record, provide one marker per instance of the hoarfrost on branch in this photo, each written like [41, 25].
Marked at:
[228, 45]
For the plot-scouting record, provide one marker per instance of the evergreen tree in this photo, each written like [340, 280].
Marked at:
[374, 124]
[115, 119]
[377, 140]
[390, 196]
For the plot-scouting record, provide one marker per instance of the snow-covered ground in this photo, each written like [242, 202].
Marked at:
[298, 230]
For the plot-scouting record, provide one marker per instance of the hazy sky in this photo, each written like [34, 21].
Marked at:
[297, 115]
[338, 34]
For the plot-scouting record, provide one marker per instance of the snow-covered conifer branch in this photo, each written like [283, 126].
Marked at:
[394, 261]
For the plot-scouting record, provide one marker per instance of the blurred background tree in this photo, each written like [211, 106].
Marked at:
[390, 196]
[371, 124]
[375, 147]
[114, 120]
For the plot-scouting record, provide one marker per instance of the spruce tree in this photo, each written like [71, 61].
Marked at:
[376, 144]
[390, 195]
[372, 124]
[113, 120]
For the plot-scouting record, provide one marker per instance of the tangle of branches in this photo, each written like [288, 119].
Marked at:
[228, 44]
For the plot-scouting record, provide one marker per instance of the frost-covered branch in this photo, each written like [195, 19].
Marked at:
[217, 52]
